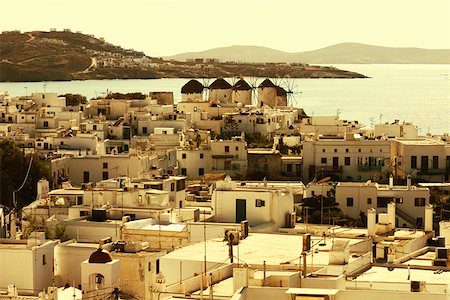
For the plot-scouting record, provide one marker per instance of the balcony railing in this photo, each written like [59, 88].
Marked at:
[369, 168]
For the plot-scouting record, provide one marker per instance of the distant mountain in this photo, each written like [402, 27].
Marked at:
[345, 53]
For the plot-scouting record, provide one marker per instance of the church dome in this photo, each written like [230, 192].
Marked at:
[100, 256]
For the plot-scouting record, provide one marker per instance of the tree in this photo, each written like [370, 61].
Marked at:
[13, 169]
[230, 128]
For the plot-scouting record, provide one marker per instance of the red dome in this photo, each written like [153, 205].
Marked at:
[100, 256]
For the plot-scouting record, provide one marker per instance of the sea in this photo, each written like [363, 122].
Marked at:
[409, 93]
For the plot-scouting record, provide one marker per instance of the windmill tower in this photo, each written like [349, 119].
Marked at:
[192, 91]
[220, 91]
[242, 92]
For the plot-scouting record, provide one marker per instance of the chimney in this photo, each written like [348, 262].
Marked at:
[13, 224]
[408, 182]
[428, 218]
[391, 182]
[391, 214]
[371, 221]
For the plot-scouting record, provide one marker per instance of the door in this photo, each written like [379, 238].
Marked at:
[335, 162]
[241, 210]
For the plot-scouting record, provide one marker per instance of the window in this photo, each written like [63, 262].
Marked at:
[323, 160]
[183, 171]
[144, 130]
[349, 202]
[359, 150]
[45, 124]
[419, 201]
[335, 150]
[44, 262]
[237, 148]
[201, 155]
[85, 176]
[172, 187]
[323, 150]
[413, 162]
[347, 161]
[260, 203]
[435, 162]
[183, 156]
[369, 200]
[346, 150]
[360, 161]
[105, 165]
[157, 266]
[105, 175]
[399, 200]
[83, 213]
[79, 200]
[94, 127]
[289, 168]
[201, 171]
[227, 149]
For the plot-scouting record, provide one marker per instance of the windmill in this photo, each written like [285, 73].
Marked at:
[292, 90]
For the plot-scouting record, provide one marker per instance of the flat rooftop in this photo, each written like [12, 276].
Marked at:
[275, 249]
[382, 274]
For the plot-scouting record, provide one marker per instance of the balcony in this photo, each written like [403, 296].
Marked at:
[433, 171]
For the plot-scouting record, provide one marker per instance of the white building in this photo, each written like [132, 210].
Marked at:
[267, 207]
[422, 158]
[396, 130]
[351, 158]
[27, 264]
[94, 168]
[410, 201]
[230, 156]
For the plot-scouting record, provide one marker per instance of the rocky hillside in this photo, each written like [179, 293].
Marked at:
[64, 55]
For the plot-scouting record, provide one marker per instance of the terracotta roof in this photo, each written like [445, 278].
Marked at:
[267, 83]
[192, 87]
[242, 85]
[220, 83]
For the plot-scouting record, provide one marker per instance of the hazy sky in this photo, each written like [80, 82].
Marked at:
[169, 27]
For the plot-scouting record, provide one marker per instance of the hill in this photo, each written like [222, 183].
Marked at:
[345, 53]
[64, 55]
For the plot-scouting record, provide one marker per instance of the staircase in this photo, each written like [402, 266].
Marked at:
[400, 213]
